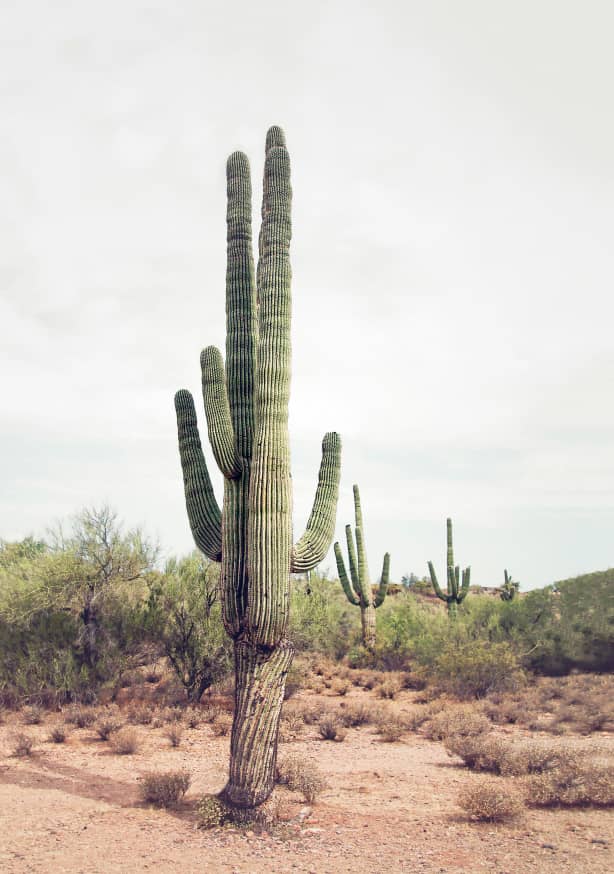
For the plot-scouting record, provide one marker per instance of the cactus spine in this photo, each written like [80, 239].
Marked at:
[510, 587]
[246, 407]
[457, 588]
[358, 591]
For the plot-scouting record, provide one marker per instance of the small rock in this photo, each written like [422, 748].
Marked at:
[549, 846]
[600, 841]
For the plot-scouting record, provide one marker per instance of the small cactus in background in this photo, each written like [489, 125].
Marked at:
[457, 587]
[246, 407]
[358, 588]
[509, 589]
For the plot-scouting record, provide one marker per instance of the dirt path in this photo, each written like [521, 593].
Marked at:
[74, 808]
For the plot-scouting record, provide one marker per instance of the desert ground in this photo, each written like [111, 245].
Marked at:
[76, 806]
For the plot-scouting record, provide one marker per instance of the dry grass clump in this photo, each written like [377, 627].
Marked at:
[192, 718]
[57, 735]
[356, 714]
[125, 742]
[391, 729]
[491, 801]
[174, 734]
[32, 715]
[580, 704]
[140, 714]
[222, 725]
[340, 687]
[331, 728]
[488, 753]
[292, 722]
[300, 774]
[390, 688]
[22, 744]
[210, 713]
[164, 789]
[80, 716]
[105, 727]
[573, 783]
[459, 720]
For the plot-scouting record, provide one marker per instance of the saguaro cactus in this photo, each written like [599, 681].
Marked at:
[359, 591]
[510, 587]
[457, 587]
[246, 407]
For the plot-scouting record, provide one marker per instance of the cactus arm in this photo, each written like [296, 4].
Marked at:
[453, 582]
[383, 586]
[465, 585]
[270, 494]
[203, 510]
[241, 309]
[309, 551]
[217, 411]
[363, 568]
[435, 583]
[352, 561]
[450, 546]
[343, 577]
[363, 571]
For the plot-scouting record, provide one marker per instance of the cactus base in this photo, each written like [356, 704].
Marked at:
[260, 680]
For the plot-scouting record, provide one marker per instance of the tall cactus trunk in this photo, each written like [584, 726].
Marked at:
[260, 679]
[246, 405]
[367, 616]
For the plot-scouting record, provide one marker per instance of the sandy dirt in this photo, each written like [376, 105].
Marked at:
[390, 807]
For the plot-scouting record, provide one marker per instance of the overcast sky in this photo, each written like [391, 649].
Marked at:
[452, 258]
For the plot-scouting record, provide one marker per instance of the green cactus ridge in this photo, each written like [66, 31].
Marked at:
[246, 410]
[357, 586]
[457, 584]
[510, 587]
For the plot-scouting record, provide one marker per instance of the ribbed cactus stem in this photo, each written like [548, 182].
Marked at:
[457, 584]
[357, 586]
[510, 587]
[246, 407]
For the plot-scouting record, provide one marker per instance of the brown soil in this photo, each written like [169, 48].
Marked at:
[390, 807]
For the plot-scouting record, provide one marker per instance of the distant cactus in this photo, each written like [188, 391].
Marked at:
[246, 406]
[509, 589]
[457, 587]
[358, 590]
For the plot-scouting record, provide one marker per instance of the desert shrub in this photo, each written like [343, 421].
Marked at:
[473, 668]
[296, 679]
[211, 812]
[391, 729]
[300, 774]
[321, 619]
[82, 717]
[105, 727]
[531, 757]
[490, 801]
[222, 725]
[488, 753]
[140, 714]
[340, 687]
[331, 728]
[504, 712]
[210, 713]
[573, 783]
[459, 720]
[174, 734]
[356, 714]
[125, 742]
[389, 688]
[192, 718]
[57, 735]
[292, 722]
[22, 744]
[164, 789]
[184, 615]
[32, 715]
